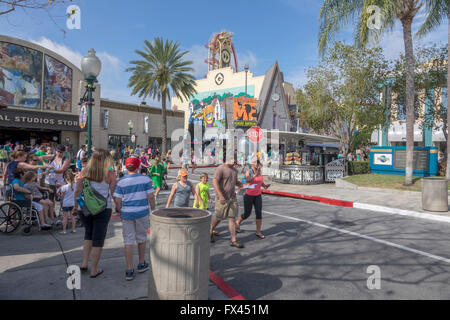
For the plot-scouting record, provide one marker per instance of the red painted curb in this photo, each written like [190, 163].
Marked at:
[340, 203]
[222, 285]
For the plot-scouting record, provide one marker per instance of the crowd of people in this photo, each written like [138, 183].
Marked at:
[89, 188]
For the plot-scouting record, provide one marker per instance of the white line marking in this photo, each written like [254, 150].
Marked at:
[388, 243]
[402, 212]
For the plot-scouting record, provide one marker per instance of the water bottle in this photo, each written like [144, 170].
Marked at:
[52, 175]
[39, 174]
[81, 203]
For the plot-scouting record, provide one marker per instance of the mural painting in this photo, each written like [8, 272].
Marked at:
[245, 111]
[208, 108]
[20, 76]
[57, 85]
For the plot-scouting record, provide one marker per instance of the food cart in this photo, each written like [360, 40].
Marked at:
[295, 162]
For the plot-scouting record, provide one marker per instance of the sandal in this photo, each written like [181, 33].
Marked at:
[236, 244]
[216, 233]
[212, 237]
[260, 235]
[83, 269]
[99, 272]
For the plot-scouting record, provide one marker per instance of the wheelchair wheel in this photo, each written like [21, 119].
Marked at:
[10, 217]
[26, 231]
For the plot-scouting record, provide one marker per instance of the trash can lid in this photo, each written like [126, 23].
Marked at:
[180, 213]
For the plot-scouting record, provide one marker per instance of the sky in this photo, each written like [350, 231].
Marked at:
[264, 31]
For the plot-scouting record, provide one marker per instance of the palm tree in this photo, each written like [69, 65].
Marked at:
[334, 16]
[162, 71]
[438, 10]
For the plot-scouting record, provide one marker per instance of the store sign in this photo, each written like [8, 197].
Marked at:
[244, 111]
[15, 118]
[383, 159]
[106, 119]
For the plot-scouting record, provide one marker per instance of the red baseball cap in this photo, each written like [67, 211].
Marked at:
[133, 162]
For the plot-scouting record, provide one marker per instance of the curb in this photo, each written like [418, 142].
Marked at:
[365, 206]
[198, 167]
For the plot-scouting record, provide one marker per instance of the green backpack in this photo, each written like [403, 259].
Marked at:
[93, 200]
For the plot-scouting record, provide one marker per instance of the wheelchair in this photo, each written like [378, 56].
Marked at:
[16, 214]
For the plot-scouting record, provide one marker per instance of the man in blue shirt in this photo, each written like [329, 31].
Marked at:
[132, 196]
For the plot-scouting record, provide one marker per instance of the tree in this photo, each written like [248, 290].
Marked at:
[9, 6]
[342, 93]
[438, 10]
[334, 16]
[162, 71]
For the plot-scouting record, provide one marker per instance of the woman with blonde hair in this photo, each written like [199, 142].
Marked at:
[103, 180]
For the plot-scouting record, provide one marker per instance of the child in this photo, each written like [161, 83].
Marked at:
[21, 193]
[182, 191]
[30, 180]
[67, 193]
[202, 189]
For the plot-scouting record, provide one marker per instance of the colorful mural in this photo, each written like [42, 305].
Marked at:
[208, 107]
[20, 76]
[57, 85]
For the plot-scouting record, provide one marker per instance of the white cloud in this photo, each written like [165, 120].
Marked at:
[64, 51]
[248, 58]
[198, 54]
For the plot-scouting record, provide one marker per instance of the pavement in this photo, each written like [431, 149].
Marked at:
[305, 241]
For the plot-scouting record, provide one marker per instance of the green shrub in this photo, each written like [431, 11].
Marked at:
[358, 167]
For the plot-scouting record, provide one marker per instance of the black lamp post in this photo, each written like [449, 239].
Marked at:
[246, 71]
[90, 66]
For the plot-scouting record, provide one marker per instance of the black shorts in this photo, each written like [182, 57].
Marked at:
[95, 227]
[249, 203]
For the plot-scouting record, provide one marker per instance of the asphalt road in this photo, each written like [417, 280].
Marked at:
[311, 251]
[318, 251]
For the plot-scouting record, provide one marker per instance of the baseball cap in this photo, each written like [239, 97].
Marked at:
[132, 162]
[182, 172]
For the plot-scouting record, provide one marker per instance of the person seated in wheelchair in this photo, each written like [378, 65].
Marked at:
[31, 184]
[21, 196]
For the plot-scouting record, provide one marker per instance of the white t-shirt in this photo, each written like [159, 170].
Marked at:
[68, 200]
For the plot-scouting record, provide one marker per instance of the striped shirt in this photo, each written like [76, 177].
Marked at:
[133, 190]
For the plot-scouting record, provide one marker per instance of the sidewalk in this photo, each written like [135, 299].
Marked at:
[345, 194]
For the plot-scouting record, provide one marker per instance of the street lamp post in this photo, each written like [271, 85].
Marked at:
[90, 66]
[246, 71]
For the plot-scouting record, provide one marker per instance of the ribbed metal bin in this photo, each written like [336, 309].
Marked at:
[435, 194]
[179, 254]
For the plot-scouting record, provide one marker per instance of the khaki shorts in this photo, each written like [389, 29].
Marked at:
[227, 210]
[135, 230]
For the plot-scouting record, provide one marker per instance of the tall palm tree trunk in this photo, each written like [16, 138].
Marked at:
[447, 173]
[164, 126]
[409, 98]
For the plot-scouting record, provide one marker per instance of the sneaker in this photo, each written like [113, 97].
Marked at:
[142, 267]
[129, 275]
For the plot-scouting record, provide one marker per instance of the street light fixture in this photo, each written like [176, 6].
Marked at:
[90, 67]
[246, 71]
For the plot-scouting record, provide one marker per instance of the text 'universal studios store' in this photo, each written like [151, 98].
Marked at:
[39, 97]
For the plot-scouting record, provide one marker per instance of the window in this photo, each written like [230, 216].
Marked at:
[444, 98]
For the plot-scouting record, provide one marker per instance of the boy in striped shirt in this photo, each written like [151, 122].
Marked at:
[132, 196]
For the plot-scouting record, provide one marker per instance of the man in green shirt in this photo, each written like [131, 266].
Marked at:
[41, 152]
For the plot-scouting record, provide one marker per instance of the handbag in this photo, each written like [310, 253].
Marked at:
[94, 202]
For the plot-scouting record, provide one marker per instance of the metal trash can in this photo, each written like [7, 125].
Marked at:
[435, 194]
[179, 254]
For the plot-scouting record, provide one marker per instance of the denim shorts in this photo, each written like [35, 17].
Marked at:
[66, 209]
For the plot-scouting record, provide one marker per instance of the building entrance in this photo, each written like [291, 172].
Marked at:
[29, 137]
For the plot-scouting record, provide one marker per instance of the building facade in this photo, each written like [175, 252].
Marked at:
[39, 104]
